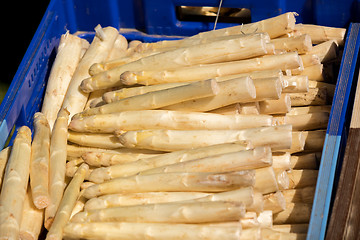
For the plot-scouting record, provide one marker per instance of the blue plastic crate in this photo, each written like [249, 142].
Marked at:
[26, 91]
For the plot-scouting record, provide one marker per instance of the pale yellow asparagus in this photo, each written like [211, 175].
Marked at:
[123, 170]
[58, 152]
[321, 34]
[282, 178]
[270, 234]
[258, 203]
[301, 44]
[265, 218]
[278, 106]
[302, 178]
[14, 185]
[330, 88]
[219, 51]
[175, 212]
[305, 161]
[85, 185]
[119, 48]
[278, 137]
[147, 231]
[310, 59]
[291, 228]
[326, 51]
[67, 204]
[251, 108]
[68, 55]
[274, 202]
[32, 219]
[265, 180]
[40, 159]
[298, 83]
[314, 140]
[268, 88]
[102, 140]
[164, 119]
[249, 220]
[4, 156]
[113, 96]
[310, 121]
[75, 99]
[294, 213]
[205, 71]
[80, 203]
[281, 160]
[95, 99]
[309, 109]
[174, 182]
[236, 161]
[106, 159]
[160, 98]
[314, 72]
[298, 142]
[230, 91]
[315, 96]
[228, 110]
[253, 233]
[302, 195]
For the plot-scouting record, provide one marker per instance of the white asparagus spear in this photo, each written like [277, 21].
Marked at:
[297, 83]
[265, 180]
[58, 147]
[251, 108]
[235, 161]
[310, 121]
[274, 202]
[281, 160]
[310, 59]
[4, 156]
[174, 212]
[314, 72]
[277, 138]
[291, 228]
[174, 182]
[244, 195]
[297, 142]
[147, 231]
[230, 91]
[67, 58]
[14, 185]
[119, 48]
[163, 119]
[302, 195]
[314, 140]
[40, 161]
[205, 71]
[32, 219]
[98, 51]
[315, 96]
[123, 170]
[301, 44]
[253, 233]
[98, 159]
[249, 220]
[232, 109]
[282, 178]
[102, 140]
[278, 106]
[330, 88]
[326, 51]
[294, 213]
[321, 34]
[305, 161]
[309, 109]
[219, 51]
[158, 99]
[67, 204]
[302, 178]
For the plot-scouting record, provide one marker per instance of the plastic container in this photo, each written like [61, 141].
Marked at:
[26, 91]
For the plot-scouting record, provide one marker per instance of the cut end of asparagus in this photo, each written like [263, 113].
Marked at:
[41, 202]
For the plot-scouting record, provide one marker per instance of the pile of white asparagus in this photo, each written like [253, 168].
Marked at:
[214, 136]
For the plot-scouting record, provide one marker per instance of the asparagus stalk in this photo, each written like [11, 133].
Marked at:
[281, 160]
[123, 170]
[102, 140]
[158, 99]
[296, 84]
[258, 203]
[75, 99]
[305, 161]
[321, 34]
[58, 147]
[302, 178]
[293, 214]
[291, 228]
[14, 185]
[302, 195]
[326, 51]
[301, 44]
[147, 231]
[4, 156]
[314, 140]
[310, 121]
[278, 106]
[175, 212]
[274, 202]
[174, 182]
[205, 71]
[67, 204]
[310, 59]
[265, 180]
[277, 138]
[314, 72]
[163, 119]
[67, 58]
[219, 51]
[315, 96]
[309, 109]
[40, 157]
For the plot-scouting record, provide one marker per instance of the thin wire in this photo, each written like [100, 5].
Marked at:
[217, 14]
